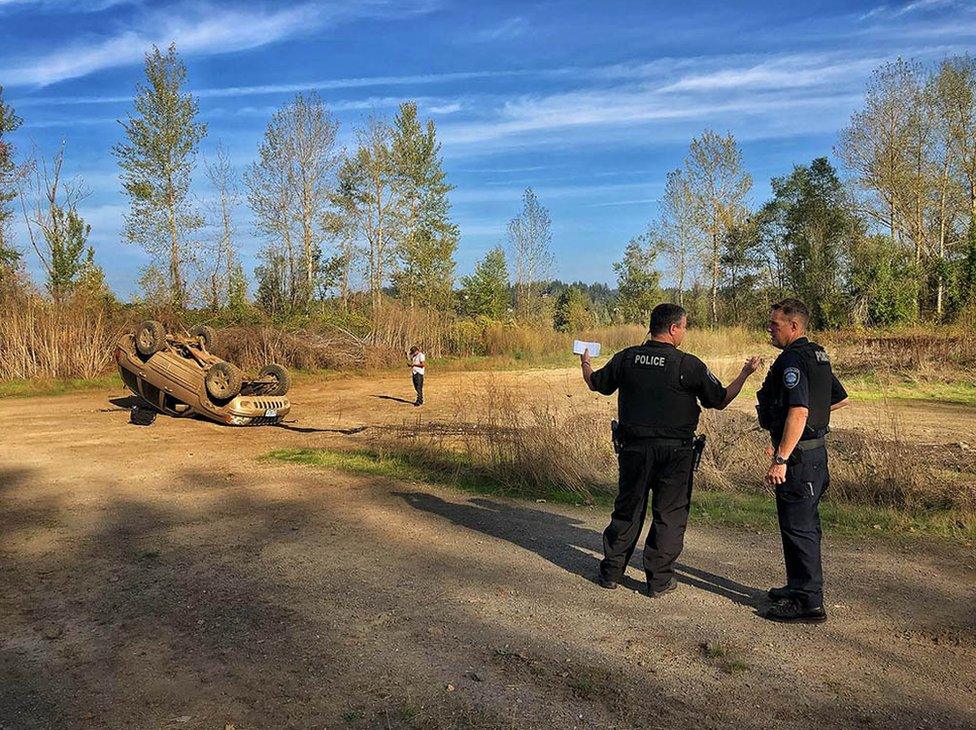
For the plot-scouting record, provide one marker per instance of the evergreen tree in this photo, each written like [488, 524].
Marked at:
[157, 160]
[638, 280]
[485, 293]
[9, 174]
[573, 311]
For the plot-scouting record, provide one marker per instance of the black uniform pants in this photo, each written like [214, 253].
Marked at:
[661, 470]
[797, 506]
[418, 385]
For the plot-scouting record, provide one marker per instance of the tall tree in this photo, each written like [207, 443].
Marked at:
[529, 248]
[741, 266]
[290, 187]
[681, 238]
[224, 265]
[485, 292]
[812, 217]
[426, 237]
[365, 194]
[638, 280]
[717, 186]
[157, 159]
[10, 174]
[957, 79]
[58, 234]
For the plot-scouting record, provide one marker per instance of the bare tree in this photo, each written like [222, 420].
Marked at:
[529, 242]
[289, 189]
[224, 265]
[58, 234]
[717, 186]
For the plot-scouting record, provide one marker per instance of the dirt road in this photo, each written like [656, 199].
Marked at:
[166, 577]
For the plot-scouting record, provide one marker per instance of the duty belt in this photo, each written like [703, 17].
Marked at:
[811, 444]
[660, 441]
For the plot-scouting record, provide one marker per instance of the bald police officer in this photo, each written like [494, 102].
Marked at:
[659, 391]
[795, 402]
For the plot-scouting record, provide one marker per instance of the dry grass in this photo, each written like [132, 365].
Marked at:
[40, 339]
[309, 348]
[550, 444]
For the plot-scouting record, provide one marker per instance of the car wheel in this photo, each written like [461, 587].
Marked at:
[150, 338]
[223, 381]
[207, 333]
[278, 373]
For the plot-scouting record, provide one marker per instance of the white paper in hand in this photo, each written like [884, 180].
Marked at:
[580, 345]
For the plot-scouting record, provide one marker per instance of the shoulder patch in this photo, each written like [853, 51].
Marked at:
[791, 376]
[711, 376]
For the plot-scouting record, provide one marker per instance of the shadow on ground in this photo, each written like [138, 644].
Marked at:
[209, 599]
[564, 542]
[394, 398]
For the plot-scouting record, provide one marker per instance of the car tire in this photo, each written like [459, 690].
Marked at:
[278, 373]
[150, 338]
[207, 333]
[223, 381]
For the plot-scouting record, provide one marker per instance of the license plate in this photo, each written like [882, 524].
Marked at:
[271, 413]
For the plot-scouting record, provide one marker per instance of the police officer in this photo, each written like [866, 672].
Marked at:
[795, 403]
[659, 391]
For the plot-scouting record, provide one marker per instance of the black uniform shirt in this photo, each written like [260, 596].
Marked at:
[788, 385]
[659, 389]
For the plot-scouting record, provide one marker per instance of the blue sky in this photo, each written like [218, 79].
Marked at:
[589, 103]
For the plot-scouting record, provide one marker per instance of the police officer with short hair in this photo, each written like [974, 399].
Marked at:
[795, 402]
[660, 388]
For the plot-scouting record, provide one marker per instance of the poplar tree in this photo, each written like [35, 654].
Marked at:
[290, 189]
[225, 272]
[426, 238]
[717, 186]
[529, 241]
[157, 160]
[365, 196]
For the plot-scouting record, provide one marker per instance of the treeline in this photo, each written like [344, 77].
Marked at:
[889, 239]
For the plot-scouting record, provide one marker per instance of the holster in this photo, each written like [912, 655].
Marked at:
[615, 436]
[698, 447]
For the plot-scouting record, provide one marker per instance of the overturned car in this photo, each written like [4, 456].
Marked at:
[178, 375]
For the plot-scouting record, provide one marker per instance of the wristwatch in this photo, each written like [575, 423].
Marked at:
[777, 459]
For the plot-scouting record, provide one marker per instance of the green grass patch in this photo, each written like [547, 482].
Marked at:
[746, 510]
[871, 388]
[60, 386]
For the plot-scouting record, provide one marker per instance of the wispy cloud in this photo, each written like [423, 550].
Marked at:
[196, 30]
[65, 6]
[507, 29]
[922, 5]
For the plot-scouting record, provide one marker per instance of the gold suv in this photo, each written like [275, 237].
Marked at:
[178, 375]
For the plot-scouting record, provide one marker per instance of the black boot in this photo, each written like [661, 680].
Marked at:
[791, 611]
[779, 594]
[671, 586]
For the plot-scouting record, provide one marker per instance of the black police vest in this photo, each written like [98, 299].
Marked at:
[652, 403]
[772, 408]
